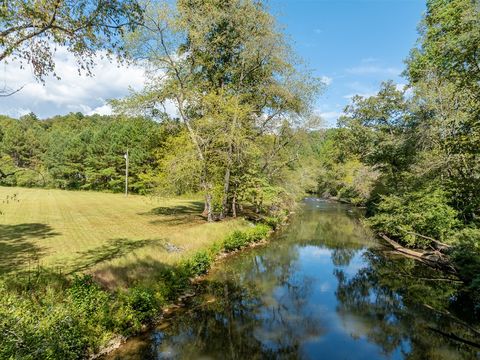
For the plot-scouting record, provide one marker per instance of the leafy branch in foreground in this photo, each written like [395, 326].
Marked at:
[31, 30]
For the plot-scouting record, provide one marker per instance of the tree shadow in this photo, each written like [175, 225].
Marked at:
[146, 271]
[16, 248]
[177, 215]
[114, 249]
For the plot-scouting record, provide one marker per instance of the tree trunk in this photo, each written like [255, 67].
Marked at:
[226, 189]
[208, 206]
[234, 203]
[433, 259]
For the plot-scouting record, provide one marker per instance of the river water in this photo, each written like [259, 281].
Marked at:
[323, 288]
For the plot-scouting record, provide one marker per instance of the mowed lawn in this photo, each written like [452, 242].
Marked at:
[118, 239]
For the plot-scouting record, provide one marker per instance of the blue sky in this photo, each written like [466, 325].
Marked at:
[354, 43]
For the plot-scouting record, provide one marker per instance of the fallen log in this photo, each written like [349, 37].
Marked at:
[454, 337]
[438, 244]
[453, 318]
[431, 258]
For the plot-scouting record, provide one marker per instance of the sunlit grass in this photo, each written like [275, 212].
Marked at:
[117, 238]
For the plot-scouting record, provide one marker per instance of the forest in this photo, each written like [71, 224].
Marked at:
[244, 135]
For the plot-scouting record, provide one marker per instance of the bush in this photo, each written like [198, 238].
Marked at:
[466, 257]
[143, 303]
[235, 241]
[272, 221]
[422, 212]
[239, 239]
[257, 233]
[44, 328]
[198, 264]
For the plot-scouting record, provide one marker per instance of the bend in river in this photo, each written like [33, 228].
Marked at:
[322, 288]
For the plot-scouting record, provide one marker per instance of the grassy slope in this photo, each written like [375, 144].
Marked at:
[118, 239]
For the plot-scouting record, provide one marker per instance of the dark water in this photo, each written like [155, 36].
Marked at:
[322, 289]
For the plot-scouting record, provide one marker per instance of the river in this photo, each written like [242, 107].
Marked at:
[323, 288]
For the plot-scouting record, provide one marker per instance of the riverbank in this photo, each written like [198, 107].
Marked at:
[232, 245]
[47, 314]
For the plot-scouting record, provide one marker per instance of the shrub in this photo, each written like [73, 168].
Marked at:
[143, 303]
[272, 221]
[257, 233]
[239, 239]
[198, 264]
[466, 257]
[235, 241]
[422, 212]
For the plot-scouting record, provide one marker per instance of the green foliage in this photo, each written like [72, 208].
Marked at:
[235, 241]
[239, 239]
[198, 264]
[31, 30]
[244, 69]
[424, 212]
[80, 152]
[49, 316]
[342, 175]
[143, 304]
[424, 148]
[466, 257]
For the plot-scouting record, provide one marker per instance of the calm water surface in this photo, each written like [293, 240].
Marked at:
[322, 289]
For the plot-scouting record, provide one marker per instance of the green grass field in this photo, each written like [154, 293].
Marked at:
[118, 239]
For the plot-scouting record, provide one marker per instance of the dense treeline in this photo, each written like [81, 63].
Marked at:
[79, 152]
[412, 155]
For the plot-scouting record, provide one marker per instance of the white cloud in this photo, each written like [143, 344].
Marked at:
[365, 95]
[105, 109]
[326, 80]
[73, 92]
[374, 69]
[330, 117]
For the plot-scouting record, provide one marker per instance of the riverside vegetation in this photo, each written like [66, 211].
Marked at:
[411, 155]
[243, 138]
[46, 315]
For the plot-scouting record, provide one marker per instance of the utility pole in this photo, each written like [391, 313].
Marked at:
[126, 172]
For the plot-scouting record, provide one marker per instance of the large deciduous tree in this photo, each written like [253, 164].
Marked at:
[233, 81]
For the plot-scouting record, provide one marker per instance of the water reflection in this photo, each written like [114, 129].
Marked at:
[321, 289]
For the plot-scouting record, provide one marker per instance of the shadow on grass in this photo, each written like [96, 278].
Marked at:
[144, 271]
[16, 248]
[114, 249]
[177, 215]
[193, 207]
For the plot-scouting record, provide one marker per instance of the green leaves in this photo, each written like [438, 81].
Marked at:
[31, 30]
[415, 215]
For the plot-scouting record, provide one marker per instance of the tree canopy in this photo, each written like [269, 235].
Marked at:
[32, 30]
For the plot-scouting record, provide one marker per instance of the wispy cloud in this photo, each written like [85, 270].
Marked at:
[326, 80]
[374, 70]
[330, 117]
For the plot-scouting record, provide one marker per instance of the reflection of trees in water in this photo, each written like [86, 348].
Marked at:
[333, 228]
[260, 307]
[393, 299]
[229, 324]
